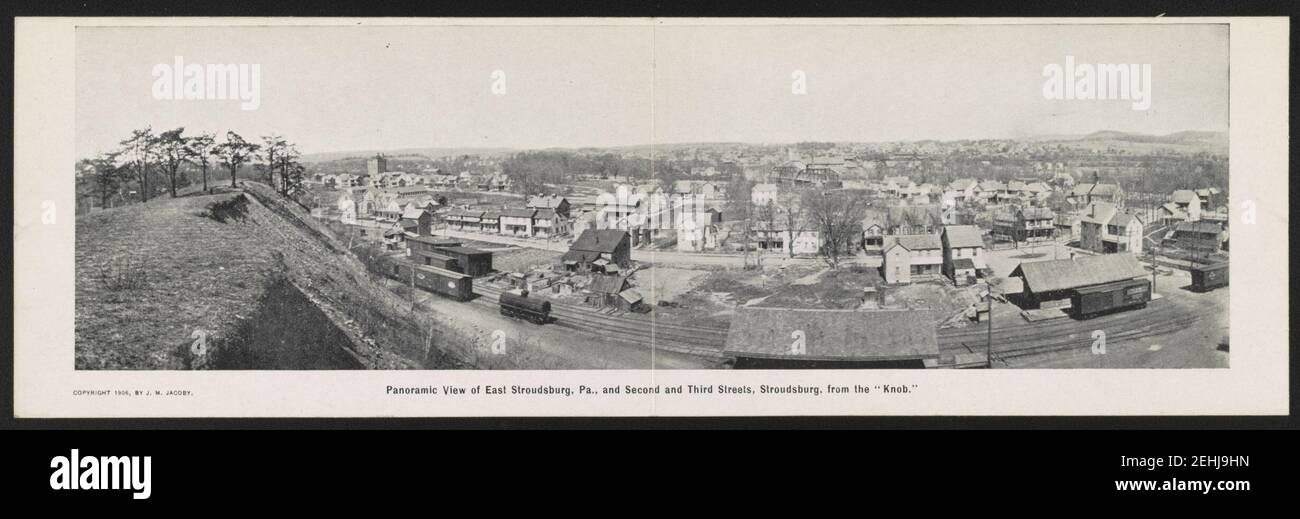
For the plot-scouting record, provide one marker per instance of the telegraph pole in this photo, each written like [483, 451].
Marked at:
[988, 346]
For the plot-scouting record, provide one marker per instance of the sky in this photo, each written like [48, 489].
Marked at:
[345, 88]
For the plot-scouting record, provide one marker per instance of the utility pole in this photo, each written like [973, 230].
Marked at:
[1155, 253]
[988, 346]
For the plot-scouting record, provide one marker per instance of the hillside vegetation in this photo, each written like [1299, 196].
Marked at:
[239, 280]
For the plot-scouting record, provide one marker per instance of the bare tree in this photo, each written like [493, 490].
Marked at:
[234, 153]
[173, 148]
[290, 172]
[794, 218]
[197, 152]
[837, 216]
[139, 152]
[740, 206]
[272, 146]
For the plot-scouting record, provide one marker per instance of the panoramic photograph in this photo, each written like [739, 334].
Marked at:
[632, 196]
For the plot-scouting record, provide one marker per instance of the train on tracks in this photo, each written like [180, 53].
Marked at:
[444, 282]
[1089, 302]
[1209, 277]
[460, 287]
[518, 305]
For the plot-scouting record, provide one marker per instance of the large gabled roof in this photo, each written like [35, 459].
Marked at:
[599, 240]
[833, 335]
[1081, 271]
[964, 236]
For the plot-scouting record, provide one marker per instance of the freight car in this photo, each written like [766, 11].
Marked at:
[1209, 277]
[520, 306]
[454, 285]
[1087, 302]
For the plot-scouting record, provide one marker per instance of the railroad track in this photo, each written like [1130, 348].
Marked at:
[1021, 341]
[1155, 311]
[1003, 353]
[682, 339]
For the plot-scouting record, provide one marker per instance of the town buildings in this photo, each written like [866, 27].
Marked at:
[963, 252]
[1019, 224]
[913, 256]
[1104, 228]
[599, 250]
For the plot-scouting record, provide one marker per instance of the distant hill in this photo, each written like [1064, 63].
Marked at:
[432, 153]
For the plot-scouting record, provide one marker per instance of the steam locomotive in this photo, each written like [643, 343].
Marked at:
[519, 306]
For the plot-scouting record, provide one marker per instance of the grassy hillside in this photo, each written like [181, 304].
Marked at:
[265, 286]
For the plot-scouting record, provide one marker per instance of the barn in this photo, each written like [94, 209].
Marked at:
[775, 338]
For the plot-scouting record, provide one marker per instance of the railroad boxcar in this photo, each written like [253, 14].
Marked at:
[1209, 277]
[1087, 302]
[520, 306]
[454, 285]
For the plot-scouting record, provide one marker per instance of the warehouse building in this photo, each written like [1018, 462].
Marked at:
[773, 338]
[472, 261]
[1051, 283]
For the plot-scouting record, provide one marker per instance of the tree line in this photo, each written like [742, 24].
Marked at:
[146, 156]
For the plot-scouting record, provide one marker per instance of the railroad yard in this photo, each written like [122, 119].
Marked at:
[1057, 262]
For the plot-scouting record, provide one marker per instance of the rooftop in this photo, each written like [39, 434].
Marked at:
[848, 335]
[1081, 271]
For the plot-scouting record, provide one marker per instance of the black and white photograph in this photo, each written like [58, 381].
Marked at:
[618, 196]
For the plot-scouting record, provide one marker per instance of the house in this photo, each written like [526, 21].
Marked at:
[464, 219]
[618, 213]
[778, 236]
[963, 189]
[701, 189]
[1051, 283]
[838, 339]
[1170, 214]
[1083, 195]
[1024, 224]
[517, 221]
[963, 252]
[1105, 229]
[763, 194]
[1067, 224]
[599, 250]
[1208, 197]
[873, 237]
[912, 256]
[557, 203]
[1201, 237]
[417, 217]
[1188, 202]
[490, 222]
[347, 208]
[698, 230]
[1062, 180]
[388, 208]
[547, 223]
